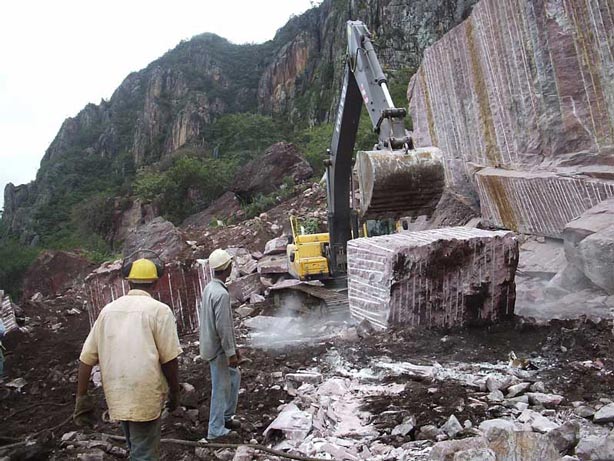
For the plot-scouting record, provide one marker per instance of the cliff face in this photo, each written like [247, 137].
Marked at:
[170, 104]
[524, 92]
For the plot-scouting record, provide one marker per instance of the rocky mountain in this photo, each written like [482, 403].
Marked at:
[172, 105]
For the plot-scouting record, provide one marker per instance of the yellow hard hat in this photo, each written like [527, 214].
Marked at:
[219, 260]
[142, 271]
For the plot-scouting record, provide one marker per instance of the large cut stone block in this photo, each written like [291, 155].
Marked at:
[447, 277]
[273, 264]
[539, 203]
[241, 289]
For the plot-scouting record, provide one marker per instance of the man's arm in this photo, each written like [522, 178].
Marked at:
[225, 328]
[83, 378]
[170, 370]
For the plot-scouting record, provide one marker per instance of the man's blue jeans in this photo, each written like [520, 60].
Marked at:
[225, 382]
[143, 439]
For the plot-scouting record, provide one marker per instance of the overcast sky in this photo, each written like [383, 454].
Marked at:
[57, 56]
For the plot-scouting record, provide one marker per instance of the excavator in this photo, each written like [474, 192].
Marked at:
[394, 180]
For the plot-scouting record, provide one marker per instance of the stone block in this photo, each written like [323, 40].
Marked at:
[273, 264]
[537, 202]
[605, 414]
[276, 246]
[596, 256]
[242, 288]
[243, 262]
[448, 277]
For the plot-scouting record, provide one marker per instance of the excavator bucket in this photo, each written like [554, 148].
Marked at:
[394, 184]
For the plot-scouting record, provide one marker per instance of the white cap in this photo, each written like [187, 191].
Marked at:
[219, 260]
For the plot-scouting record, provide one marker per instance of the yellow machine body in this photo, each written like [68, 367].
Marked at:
[307, 254]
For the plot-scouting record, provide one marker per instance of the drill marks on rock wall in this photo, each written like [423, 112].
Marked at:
[519, 81]
[524, 85]
[180, 288]
[538, 203]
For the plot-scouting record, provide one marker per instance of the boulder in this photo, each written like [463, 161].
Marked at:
[536, 421]
[491, 424]
[273, 264]
[565, 437]
[475, 454]
[521, 445]
[242, 288]
[445, 451]
[127, 217]
[596, 257]
[276, 246]
[596, 448]
[158, 235]
[54, 272]
[267, 173]
[452, 427]
[605, 414]
[243, 262]
[450, 277]
[546, 400]
[221, 208]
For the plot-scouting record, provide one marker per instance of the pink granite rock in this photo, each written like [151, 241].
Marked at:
[448, 277]
[523, 85]
[242, 288]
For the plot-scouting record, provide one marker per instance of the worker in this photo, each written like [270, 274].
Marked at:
[135, 342]
[2, 332]
[218, 347]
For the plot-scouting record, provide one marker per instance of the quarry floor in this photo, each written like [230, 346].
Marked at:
[46, 358]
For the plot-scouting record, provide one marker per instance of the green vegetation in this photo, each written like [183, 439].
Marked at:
[263, 202]
[242, 137]
[15, 258]
[189, 185]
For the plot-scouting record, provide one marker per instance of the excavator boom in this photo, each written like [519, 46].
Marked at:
[394, 180]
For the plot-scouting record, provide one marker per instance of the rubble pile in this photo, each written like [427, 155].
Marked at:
[448, 277]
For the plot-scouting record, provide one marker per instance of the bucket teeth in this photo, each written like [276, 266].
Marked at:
[397, 184]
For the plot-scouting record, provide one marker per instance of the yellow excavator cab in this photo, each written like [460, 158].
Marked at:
[307, 254]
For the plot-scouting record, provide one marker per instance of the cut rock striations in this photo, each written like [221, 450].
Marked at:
[523, 85]
[448, 277]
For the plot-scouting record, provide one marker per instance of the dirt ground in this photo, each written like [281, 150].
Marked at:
[47, 359]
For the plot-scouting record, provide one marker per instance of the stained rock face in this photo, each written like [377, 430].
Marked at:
[447, 277]
[524, 86]
[221, 209]
[265, 174]
[158, 235]
[53, 272]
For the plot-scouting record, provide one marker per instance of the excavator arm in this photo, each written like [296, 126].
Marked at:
[394, 180]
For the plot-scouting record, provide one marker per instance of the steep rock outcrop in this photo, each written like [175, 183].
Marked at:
[524, 85]
[266, 174]
[170, 104]
[54, 272]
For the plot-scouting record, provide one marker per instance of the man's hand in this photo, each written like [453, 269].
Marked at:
[173, 400]
[233, 361]
[83, 415]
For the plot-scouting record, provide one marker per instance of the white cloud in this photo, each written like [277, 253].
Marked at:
[57, 56]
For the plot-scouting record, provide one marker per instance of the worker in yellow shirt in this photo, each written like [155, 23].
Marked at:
[135, 342]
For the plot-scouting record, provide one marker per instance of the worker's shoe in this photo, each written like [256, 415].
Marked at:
[232, 424]
[231, 437]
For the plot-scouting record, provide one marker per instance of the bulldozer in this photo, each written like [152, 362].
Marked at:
[395, 180]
